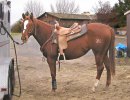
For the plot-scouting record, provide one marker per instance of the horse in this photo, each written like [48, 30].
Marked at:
[99, 38]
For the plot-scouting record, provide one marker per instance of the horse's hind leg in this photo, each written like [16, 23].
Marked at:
[99, 62]
[107, 65]
[52, 65]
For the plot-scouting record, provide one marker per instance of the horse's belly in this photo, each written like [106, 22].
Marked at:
[76, 50]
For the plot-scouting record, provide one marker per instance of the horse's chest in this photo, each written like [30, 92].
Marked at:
[50, 50]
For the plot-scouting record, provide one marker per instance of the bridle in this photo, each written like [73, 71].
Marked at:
[33, 29]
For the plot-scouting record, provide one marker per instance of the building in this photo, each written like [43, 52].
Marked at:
[128, 31]
[67, 20]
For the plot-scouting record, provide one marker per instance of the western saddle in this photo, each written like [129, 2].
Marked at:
[63, 35]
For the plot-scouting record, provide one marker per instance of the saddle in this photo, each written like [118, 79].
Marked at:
[75, 28]
[63, 35]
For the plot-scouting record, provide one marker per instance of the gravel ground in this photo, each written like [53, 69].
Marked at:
[75, 79]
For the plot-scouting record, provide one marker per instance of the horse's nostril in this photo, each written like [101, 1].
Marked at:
[23, 38]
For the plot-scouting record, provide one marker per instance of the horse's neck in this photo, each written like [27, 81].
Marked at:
[42, 32]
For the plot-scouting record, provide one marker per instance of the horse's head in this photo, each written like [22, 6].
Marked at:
[28, 26]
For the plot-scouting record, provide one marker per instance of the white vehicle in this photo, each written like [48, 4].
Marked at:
[6, 62]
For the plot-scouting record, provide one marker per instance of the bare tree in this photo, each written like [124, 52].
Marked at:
[52, 8]
[35, 7]
[65, 6]
[102, 8]
[104, 12]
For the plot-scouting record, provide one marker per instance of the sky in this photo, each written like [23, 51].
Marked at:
[17, 6]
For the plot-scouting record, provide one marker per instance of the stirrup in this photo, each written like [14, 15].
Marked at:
[58, 58]
[64, 56]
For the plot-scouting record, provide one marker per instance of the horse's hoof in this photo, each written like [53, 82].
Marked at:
[93, 89]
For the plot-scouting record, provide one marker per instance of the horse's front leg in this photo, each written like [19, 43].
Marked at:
[52, 65]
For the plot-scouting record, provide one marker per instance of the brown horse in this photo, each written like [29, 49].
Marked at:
[99, 37]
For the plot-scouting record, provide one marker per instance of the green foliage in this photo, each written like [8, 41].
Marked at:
[16, 28]
[120, 8]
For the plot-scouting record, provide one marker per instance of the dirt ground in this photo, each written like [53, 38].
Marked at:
[74, 80]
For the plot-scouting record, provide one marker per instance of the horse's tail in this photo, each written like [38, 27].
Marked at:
[112, 52]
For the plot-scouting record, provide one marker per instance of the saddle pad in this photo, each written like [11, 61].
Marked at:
[82, 32]
[74, 36]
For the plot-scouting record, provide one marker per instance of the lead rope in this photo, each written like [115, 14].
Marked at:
[2, 25]
[17, 71]
[14, 42]
[50, 38]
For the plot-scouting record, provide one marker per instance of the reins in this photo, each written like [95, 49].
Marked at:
[50, 38]
[47, 41]
[34, 27]
[43, 45]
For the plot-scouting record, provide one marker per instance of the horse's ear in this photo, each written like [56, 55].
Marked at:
[27, 13]
[23, 15]
[31, 16]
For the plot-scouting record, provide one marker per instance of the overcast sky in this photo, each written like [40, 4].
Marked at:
[17, 6]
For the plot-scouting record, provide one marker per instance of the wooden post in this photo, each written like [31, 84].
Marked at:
[128, 32]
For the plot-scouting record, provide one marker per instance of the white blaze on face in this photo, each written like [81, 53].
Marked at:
[25, 25]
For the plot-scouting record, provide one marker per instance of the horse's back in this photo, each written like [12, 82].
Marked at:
[97, 25]
[99, 28]
[96, 30]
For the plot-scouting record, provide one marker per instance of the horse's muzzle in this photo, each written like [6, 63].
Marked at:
[24, 39]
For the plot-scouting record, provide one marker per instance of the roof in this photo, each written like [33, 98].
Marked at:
[68, 16]
[126, 13]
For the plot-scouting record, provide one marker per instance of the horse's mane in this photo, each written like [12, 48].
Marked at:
[46, 28]
[42, 22]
